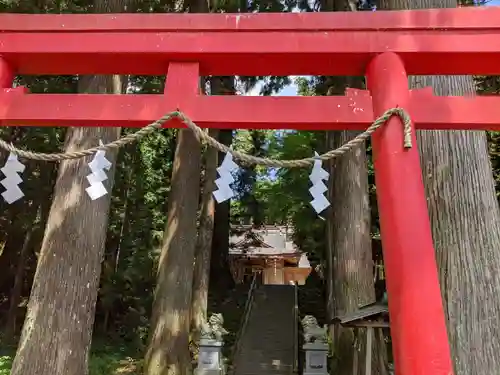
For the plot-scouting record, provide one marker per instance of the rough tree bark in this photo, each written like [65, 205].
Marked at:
[61, 308]
[62, 303]
[349, 256]
[204, 242]
[465, 222]
[350, 281]
[168, 351]
[220, 275]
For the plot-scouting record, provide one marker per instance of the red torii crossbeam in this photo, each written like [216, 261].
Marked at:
[384, 46]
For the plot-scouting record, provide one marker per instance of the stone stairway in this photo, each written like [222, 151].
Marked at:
[267, 343]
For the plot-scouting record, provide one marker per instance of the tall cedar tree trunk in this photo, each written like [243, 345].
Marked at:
[465, 222]
[57, 330]
[168, 351]
[204, 242]
[220, 274]
[349, 254]
[62, 302]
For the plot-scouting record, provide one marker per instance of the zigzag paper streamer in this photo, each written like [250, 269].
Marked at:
[223, 183]
[11, 182]
[317, 190]
[98, 165]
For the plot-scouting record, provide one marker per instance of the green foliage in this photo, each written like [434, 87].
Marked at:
[137, 221]
[5, 364]
[247, 208]
[104, 362]
[141, 192]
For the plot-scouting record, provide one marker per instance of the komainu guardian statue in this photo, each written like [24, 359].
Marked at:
[214, 328]
[312, 331]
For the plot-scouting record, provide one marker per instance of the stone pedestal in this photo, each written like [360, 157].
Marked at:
[316, 354]
[210, 358]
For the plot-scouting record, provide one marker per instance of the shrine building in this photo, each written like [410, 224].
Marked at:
[269, 253]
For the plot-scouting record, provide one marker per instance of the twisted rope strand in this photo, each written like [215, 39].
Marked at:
[204, 137]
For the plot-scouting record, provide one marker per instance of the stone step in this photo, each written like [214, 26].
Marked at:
[267, 345]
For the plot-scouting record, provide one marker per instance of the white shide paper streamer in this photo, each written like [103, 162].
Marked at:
[98, 165]
[11, 182]
[224, 191]
[317, 190]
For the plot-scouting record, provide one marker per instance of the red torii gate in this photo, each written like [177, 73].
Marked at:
[384, 46]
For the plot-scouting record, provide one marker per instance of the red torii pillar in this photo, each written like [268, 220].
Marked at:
[417, 320]
[409, 257]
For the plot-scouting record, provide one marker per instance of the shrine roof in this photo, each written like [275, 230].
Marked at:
[266, 240]
[366, 312]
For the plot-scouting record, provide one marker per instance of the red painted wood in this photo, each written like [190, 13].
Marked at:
[449, 41]
[431, 20]
[250, 53]
[454, 112]
[207, 111]
[418, 329]
[6, 77]
[182, 87]
[240, 112]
